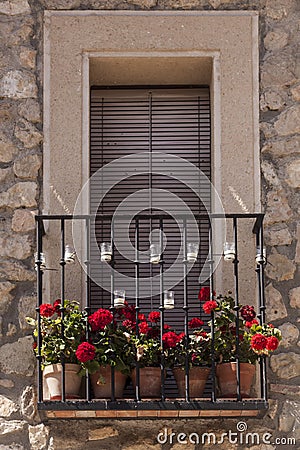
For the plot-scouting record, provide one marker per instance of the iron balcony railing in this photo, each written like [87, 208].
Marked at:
[135, 401]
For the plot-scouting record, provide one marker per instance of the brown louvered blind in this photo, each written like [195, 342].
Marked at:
[131, 121]
[123, 122]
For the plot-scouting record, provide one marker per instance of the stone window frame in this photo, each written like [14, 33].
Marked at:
[73, 39]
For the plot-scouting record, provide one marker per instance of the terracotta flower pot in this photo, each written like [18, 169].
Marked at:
[197, 380]
[101, 383]
[150, 382]
[227, 382]
[52, 375]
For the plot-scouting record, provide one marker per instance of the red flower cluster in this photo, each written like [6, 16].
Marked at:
[154, 316]
[47, 310]
[85, 352]
[204, 294]
[272, 343]
[195, 323]
[143, 327]
[99, 319]
[258, 342]
[142, 317]
[128, 324]
[129, 312]
[248, 313]
[209, 306]
[171, 339]
[251, 323]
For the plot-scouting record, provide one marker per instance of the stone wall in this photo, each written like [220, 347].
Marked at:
[20, 196]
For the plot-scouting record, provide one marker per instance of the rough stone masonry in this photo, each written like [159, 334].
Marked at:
[21, 138]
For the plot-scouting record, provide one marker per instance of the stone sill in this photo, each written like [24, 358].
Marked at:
[82, 409]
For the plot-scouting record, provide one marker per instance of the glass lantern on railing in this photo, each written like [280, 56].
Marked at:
[229, 251]
[69, 254]
[169, 301]
[106, 251]
[155, 254]
[192, 251]
[261, 255]
[42, 260]
[119, 298]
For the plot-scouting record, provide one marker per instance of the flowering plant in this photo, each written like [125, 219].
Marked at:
[108, 343]
[196, 347]
[254, 339]
[61, 335]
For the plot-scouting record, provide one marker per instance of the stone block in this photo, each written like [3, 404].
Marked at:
[278, 9]
[6, 383]
[283, 147]
[31, 110]
[16, 271]
[38, 436]
[23, 221]
[14, 7]
[11, 426]
[28, 403]
[28, 134]
[7, 407]
[278, 209]
[290, 335]
[18, 246]
[276, 40]
[18, 84]
[288, 122]
[19, 195]
[280, 268]
[17, 357]
[8, 150]
[293, 174]
[12, 446]
[102, 433]
[27, 167]
[270, 174]
[278, 234]
[275, 306]
[5, 296]
[27, 58]
[286, 365]
[295, 91]
[294, 296]
[26, 308]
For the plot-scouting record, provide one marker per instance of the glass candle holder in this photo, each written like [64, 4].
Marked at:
[169, 301]
[229, 251]
[106, 251]
[69, 254]
[119, 299]
[261, 256]
[192, 251]
[154, 253]
[42, 259]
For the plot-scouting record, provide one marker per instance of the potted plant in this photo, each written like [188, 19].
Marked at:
[147, 350]
[194, 350]
[108, 346]
[60, 337]
[254, 340]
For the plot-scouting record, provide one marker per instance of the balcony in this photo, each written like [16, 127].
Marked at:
[242, 271]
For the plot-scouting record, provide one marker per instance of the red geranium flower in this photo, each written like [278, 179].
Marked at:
[204, 294]
[143, 327]
[47, 310]
[258, 342]
[99, 319]
[142, 317]
[166, 326]
[170, 339]
[85, 352]
[154, 316]
[195, 323]
[128, 324]
[209, 306]
[248, 313]
[272, 343]
[251, 323]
